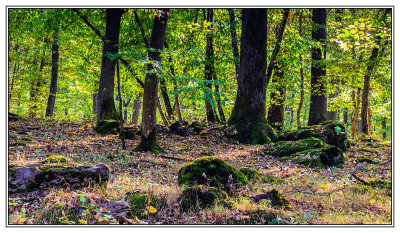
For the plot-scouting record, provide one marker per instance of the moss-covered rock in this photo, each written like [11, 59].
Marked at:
[317, 158]
[107, 127]
[285, 149]
[139, 201]
[277, 199]
[331, 132]
[380, 183]
[212, 172]
[255, 176]
[202, 197]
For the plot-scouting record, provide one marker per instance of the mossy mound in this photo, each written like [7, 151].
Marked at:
[139, 201]
[55, 159]
[255, 176]
[288, 148]
[363, 159]
[277, 200]
[27, 139]
[253, 217]
[360, 189]
[331, 132]
[107, 127]
[317, 158]
[212, 172]
[378, 183]
[194, 198]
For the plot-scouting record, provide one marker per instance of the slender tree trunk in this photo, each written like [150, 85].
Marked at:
[105, 103]
[176, 104]
[36, 84]
[137, 104]
[167, 102]
[369, 117]
[54, 74]
[318, 103]
[121, 128]
[301, 76]
[356, 114]
[209, 69]
[248, 114]
[150, 96]
[384, 128]
[219, 106]
[232, 23]
[276, 111]
[275, 53]
[160, 110]
[345, 115]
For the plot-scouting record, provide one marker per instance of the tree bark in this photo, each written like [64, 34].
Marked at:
[137, 104]
[356, 113]
[345, 115]
[150, 95]
[248, 114]
[232, 23]
[54, 74]
[384, 129]
[301, 75]
[209, 70]
[276, 111]
[318, 102]
[105, 103]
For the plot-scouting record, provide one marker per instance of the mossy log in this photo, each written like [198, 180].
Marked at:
[55, 171]
[331, 132]
[212, 172]
[287, 148]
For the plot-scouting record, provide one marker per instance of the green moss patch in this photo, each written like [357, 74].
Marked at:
[13, 117]
[317, 158]
[51, 159]
[107, 127]
[139, 201]
[289, 148]
[201, 197]
[213, 172]
[17, 144]
[363, 159]
[255, 176]
[378, 183]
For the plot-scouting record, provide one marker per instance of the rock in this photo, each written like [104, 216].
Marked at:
[318, 158]
[331, 132]
[22, 179]
[51, 173]
[118, 209]
[287, 148]
[275, 197]
[195, 198]
[212, 172]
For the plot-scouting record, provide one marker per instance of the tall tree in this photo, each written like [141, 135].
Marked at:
[54, 73]
[105, 100]
[209, 69]
[150, 93]
[318, 102]
[248, 114]
[301, 74]
[232, 24]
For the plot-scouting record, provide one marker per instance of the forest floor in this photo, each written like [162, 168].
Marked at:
[316, 196]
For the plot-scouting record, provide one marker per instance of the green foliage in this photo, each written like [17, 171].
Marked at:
[139, 201]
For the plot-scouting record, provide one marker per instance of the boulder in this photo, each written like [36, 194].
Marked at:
[317, 158]
[212, 172]
[287, 148]
[331, 132]
[55, 171]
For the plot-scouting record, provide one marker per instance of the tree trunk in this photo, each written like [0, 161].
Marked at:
[369, 117]
[105, 103]
[209, 70]
[355, 114]
[160, 110]
[248, 114]
[137, 104]
[301, 76]
[318, 103]
[384, 128]
[150, 96]
[165, 96]
[36, 84]
[232, 23]
[219, 106]
[345, 115]
[276, 111]
[54, 74]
